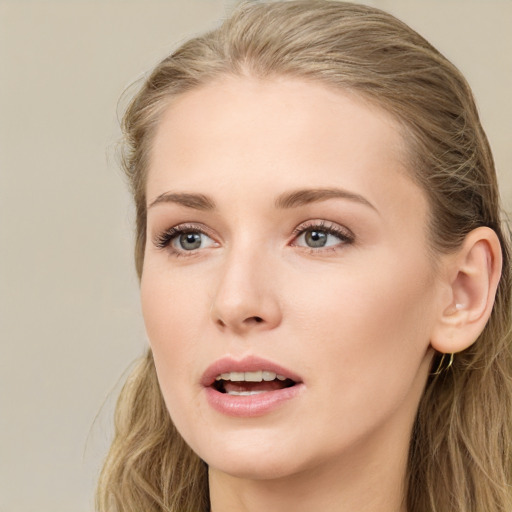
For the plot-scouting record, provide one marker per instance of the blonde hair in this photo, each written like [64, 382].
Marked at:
[460, 453]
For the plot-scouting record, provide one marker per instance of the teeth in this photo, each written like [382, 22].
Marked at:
[245, 393]
[260, 375]
[253, 376]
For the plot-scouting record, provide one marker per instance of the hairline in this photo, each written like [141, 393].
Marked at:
[407, 152]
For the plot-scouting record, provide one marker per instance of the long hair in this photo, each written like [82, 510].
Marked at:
[460, 451]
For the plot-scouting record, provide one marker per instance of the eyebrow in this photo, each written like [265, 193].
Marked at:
[286, 200]
[307, 196]
[195, 201]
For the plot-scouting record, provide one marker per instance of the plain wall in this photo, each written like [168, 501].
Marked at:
[70, 321]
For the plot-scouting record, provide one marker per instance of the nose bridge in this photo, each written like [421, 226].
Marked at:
[245, 298]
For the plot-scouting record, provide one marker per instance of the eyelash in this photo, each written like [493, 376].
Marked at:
[344, 234]
[165, 239]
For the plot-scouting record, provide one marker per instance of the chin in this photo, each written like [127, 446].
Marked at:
[248, 458]
[254, 469]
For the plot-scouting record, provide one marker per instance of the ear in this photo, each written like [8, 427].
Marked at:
[471, 277]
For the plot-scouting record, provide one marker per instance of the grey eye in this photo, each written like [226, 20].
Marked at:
[315, 238]
[190, 241]
[318, 237]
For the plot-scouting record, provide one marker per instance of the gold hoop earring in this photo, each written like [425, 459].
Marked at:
[440, 369]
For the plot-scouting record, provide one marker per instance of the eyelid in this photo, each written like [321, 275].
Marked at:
[345, 235]
[163, 240]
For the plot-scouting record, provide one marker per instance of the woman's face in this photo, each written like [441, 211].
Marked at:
[285, 238]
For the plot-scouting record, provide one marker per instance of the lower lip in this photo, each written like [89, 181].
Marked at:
[252, 405]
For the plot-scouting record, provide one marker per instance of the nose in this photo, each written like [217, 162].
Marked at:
[246, 297]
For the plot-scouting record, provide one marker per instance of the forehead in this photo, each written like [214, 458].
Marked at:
[253, 134]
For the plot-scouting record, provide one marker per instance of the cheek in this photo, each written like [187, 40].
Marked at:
[371, 322]
[172, 301]
[365, 337]
[173, 315]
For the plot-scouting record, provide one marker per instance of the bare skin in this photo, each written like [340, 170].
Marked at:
[336, 284]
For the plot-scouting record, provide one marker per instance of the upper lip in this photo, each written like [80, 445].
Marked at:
[247, 364]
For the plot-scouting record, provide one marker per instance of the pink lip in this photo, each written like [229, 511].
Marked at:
[247, 364]
[253, 405]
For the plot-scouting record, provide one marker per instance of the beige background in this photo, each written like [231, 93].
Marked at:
[69, 316]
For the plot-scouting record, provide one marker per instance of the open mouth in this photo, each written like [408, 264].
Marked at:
[251, 383]
[249, 387]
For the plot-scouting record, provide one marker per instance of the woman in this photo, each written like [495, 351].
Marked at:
[324, 277]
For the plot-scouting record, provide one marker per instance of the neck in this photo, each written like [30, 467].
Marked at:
[371, 479]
